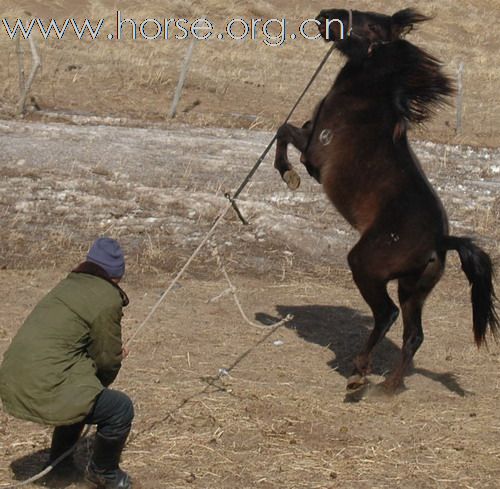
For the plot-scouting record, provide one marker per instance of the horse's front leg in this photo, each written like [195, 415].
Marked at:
[299, 137]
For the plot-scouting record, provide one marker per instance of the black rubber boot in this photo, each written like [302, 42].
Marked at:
[64, 438]
[103, 470]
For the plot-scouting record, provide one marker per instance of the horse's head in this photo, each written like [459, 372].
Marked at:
[355, 32]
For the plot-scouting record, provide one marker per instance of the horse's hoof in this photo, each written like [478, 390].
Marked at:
[292, 179]
[355, 382]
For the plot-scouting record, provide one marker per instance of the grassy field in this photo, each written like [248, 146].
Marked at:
[239, 83]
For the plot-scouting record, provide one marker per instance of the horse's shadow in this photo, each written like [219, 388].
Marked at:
[61, 477]
[344, 331]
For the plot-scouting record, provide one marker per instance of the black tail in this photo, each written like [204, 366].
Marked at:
[479, 271]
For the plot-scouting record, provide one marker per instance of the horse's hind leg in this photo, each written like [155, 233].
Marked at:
[372, 284]
[413, 291]
[288, 134]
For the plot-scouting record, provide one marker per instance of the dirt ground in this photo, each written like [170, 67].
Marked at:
[221, 403]
[280, 417]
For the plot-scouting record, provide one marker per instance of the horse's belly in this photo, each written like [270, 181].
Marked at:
[361, 217]
[357, 201]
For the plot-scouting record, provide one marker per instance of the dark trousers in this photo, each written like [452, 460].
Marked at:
[112, 412]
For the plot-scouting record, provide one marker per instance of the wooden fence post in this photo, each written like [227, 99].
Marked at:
[182, 78]
[35, 66]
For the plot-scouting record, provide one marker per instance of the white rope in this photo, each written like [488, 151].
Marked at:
[226, 209]
[232, 289]
[181, 272]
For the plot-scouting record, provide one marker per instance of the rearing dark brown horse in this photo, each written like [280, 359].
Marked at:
[356, 146]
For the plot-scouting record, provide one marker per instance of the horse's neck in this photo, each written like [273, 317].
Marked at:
[353, 80]
[349, 73]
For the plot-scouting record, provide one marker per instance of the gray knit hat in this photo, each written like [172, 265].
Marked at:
[107, 253]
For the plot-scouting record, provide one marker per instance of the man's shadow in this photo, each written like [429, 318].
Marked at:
[60, 477]
[344, 331]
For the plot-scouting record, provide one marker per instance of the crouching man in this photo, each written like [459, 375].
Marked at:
[59, 366]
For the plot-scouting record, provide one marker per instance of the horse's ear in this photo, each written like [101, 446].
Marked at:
[402, 22]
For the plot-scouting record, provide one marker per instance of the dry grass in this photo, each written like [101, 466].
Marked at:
[244, 84]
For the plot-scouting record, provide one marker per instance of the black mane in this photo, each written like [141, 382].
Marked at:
[415, 78]
[404, 20]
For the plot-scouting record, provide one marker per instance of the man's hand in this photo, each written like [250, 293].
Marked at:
[125, 352]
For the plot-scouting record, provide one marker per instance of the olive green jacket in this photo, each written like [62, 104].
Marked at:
[68, 349]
